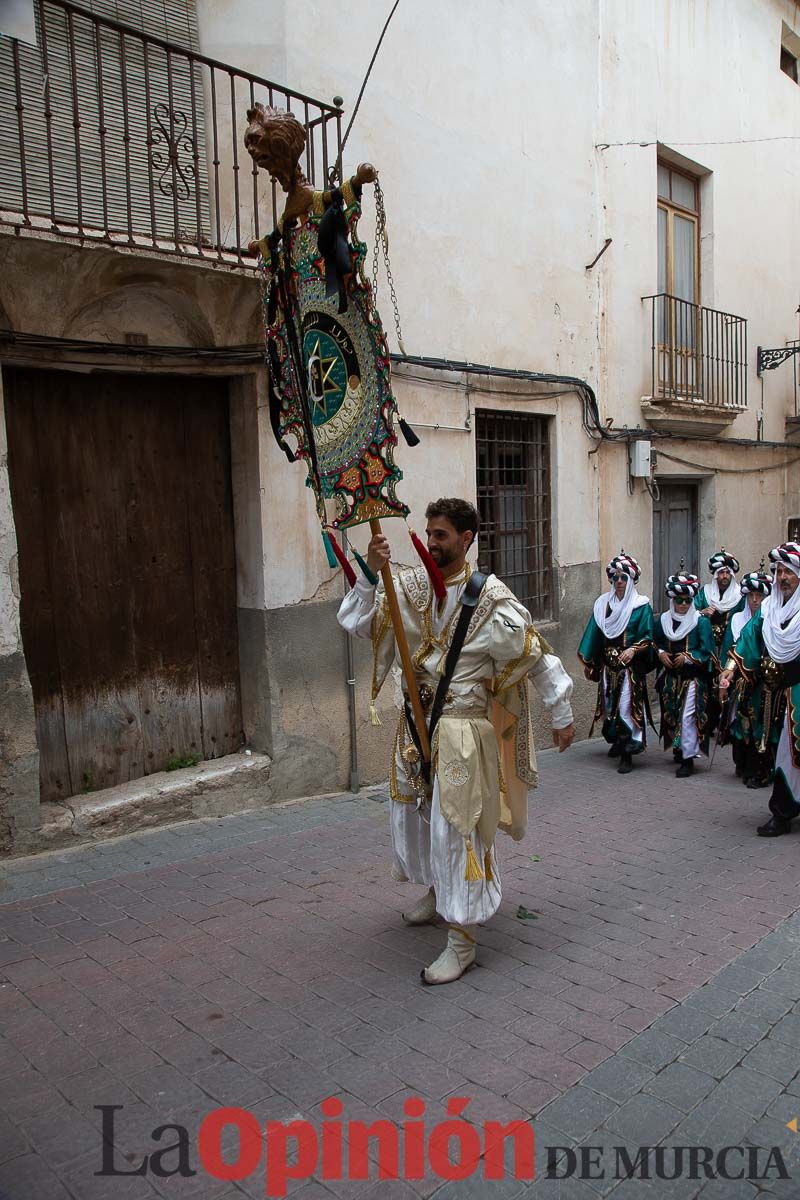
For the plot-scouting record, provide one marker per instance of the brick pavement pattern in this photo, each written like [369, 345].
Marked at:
[649, 996]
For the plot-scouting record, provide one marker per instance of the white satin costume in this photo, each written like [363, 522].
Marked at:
[483, 758]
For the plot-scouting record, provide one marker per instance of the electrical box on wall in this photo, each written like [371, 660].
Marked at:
[639, 456]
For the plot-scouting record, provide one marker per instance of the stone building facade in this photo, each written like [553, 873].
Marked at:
[601, 211]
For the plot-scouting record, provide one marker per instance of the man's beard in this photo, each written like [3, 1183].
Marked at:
[443, 558]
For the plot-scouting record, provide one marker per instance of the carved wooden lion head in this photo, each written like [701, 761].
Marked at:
[275, 139]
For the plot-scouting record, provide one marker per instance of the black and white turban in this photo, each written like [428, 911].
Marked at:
[787, 553]
[756, 581]
[623, 564]
[682, 586]
[720, 560]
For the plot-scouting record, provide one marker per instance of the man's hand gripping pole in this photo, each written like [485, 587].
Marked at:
[405, 654]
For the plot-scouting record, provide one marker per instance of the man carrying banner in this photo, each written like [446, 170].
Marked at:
[473, 653]
[769, 649]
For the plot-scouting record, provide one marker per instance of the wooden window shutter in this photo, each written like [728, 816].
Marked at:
[138, 162]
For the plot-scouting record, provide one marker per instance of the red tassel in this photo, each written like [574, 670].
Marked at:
[434, 573]
[350, 574]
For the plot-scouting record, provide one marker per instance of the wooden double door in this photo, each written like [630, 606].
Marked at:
[121, 491]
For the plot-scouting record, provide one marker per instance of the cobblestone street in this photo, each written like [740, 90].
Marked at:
[640, 986]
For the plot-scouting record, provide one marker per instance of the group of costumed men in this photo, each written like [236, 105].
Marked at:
[723, 660]
[727, 660]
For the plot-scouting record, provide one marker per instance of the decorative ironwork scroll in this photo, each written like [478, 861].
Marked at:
[172, 133]
[768, 360]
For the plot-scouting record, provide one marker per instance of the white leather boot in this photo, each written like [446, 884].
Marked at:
[456, 958]
[424, 911]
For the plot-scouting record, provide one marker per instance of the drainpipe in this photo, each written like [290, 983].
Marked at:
[350, 684]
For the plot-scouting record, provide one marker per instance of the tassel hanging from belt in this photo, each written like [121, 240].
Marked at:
[473, 870]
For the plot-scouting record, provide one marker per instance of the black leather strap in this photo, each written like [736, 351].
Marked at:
[412, 729]
[469, 598]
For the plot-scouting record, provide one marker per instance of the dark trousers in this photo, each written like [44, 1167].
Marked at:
[753, 763]
[782, 803]
[739, 752]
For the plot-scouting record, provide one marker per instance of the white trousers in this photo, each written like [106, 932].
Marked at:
[427, 849]
[690, 737]
[625, 708]
[783, 761]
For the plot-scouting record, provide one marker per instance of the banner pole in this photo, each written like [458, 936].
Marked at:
[405, 654]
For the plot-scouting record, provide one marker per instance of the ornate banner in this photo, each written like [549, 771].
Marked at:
[329, 361]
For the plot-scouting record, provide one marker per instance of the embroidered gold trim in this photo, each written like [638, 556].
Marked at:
[531, 636]
[417, 586]
[398, 750]
[348, 192]
[749, 675]
[427, 642]
[381, 623]
[523, 741]
[456, 773]
[493, 592]
[791, 717]
[462, 576]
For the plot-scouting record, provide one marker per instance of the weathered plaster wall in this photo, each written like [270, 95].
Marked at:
[100, 294]
[19, 757]
[495, 207]
[702, 72]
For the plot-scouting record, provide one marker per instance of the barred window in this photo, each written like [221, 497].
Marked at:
[514, 505]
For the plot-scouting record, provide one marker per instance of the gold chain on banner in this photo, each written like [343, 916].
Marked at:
[382, 240]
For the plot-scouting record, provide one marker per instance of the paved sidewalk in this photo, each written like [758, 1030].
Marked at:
[259, 961]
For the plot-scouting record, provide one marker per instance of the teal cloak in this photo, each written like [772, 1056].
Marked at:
[597, 652]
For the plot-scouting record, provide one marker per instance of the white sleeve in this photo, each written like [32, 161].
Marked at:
[555, 688]
[358, 608]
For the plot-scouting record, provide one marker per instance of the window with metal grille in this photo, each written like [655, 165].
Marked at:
[514, 505]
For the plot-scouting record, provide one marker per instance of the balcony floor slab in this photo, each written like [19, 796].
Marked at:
[687, 416]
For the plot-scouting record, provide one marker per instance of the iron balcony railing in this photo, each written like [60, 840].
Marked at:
[110, 133]
[698, 354]
[796, 371]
